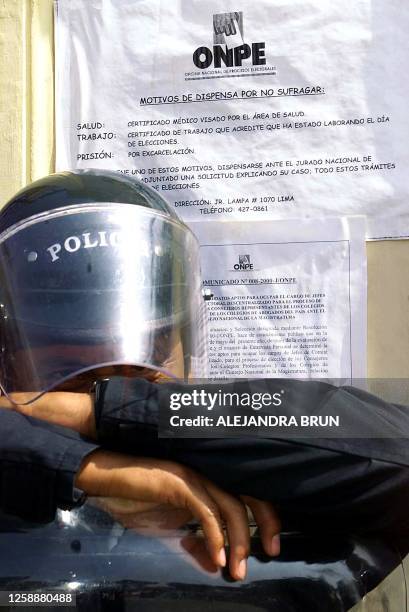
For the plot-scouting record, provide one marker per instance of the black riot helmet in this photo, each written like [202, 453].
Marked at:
[96, 270]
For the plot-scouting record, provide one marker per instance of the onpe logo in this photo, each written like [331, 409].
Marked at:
[244, 263]
[229, 47]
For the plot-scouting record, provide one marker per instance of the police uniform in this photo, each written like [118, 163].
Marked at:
[354, 486]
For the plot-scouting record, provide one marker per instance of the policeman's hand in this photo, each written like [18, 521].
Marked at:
[114, 475]
[75, 410]
[161, 519]
[148, 517]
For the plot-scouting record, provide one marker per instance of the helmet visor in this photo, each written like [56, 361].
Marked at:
[89, 286]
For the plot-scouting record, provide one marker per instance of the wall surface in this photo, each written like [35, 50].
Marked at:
[26, 93]
[388, 309]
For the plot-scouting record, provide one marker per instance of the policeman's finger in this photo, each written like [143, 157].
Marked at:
[206, 511]
[237, 525]
[195, 546]
[268, 523]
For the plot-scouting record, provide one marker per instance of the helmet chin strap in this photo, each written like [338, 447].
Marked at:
[86, 381]
[21, 398]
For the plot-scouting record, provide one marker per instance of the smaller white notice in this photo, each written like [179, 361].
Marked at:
[285, 298]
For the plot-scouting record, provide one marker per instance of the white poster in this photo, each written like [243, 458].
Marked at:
[285, 298]
[242, 110]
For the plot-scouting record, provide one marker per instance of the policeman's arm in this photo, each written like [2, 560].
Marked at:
[115, 475]
[72, 410]
[43, 465]
[38, 466]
